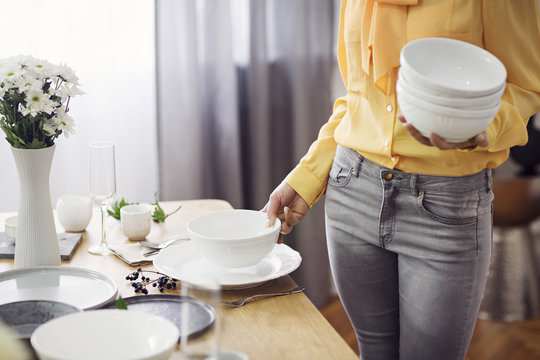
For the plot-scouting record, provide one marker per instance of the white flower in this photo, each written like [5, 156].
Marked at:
[33, 84]
[36, 102]
[40, 91]
[49, 128]
[67, 91]
[64, 122]
[68, 74]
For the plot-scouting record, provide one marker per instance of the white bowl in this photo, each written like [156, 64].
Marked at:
[233, 238]
[106, 335]
[74, 212]
[453, 125]
[473, 103]
[452, 67]
[10, 227]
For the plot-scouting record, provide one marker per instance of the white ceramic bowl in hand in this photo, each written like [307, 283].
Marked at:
[452, 67]
[106, 335]
[473, 103]
[233, 238]
[453, 125]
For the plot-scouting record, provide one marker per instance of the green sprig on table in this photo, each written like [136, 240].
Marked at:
[158, 215]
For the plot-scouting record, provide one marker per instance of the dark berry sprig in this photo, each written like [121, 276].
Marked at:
[162, 282]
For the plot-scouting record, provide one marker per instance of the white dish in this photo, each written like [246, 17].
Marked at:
[472, 103]
[233, 238]
[453, 125]
[182, 262]
[452, 67]
[11, 228]
[82, 288]
[106, 335]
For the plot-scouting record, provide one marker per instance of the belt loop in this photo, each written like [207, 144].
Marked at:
[412, 183]
[488, 180]
[357, 165]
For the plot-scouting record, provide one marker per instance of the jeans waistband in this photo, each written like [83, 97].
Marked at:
[465, 183]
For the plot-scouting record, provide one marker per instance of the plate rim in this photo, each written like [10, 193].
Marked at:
[163, 298]
[5, 275]
[295, 255]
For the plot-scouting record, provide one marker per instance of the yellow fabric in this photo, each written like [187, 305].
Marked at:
[371, 35]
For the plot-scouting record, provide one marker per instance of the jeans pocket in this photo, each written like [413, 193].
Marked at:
[449, 208]
[340, 175]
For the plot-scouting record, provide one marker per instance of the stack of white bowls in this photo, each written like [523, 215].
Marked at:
[449, 87]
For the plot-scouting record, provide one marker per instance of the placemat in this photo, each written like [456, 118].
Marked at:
[68, 244]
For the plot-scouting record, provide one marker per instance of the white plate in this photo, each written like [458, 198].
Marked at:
[182, 262]
[82, 288]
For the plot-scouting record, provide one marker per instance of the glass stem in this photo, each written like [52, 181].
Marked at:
[103, 235]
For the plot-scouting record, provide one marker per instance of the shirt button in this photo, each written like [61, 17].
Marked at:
[393, 158]
[389, 108]
[388, 176]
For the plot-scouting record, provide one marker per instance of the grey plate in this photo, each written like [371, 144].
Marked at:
[25, 316]
[170, 307]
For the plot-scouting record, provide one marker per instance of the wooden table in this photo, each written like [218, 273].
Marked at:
[285, 327]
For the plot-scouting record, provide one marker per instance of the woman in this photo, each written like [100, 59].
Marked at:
[408, 218]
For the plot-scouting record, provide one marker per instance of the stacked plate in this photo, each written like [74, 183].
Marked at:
[449, 87]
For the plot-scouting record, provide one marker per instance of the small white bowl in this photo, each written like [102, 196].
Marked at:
[453, 125]
[10, 226]
[74, 212]
[233, 238]
[473, 103]
[106, 335]
[452, 67]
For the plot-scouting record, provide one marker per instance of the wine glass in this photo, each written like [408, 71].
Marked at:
[102, 185]
[196, 345]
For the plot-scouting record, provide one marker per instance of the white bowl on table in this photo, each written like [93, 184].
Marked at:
[452, 67]
[233, 238]
[106, 335]
[10, 227]
[74, 212]
[452, 124]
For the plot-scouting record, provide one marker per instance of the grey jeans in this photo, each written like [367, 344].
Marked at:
[409, 255]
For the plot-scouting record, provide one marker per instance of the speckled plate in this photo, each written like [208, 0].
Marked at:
[201, 314]
[23, 317]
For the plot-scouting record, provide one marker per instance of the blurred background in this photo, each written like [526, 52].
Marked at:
[203, 98]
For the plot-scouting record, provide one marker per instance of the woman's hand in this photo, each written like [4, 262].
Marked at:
[288, 206]
[435, 140]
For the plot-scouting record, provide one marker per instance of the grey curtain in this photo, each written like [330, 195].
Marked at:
[238, 105]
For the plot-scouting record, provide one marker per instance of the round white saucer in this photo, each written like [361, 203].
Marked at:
[182, 262]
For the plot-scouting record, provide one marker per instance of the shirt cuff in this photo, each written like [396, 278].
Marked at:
[306, 184]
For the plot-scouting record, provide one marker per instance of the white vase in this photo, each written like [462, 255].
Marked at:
[37, 242]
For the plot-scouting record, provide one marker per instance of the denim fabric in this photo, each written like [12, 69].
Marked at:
[409, 255]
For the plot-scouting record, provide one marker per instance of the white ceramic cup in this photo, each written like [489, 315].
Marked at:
[74, 212]
[11, 228]
[136, 220]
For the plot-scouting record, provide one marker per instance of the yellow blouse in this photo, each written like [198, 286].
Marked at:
[371, 35]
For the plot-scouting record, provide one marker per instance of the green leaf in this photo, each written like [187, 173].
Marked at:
[121, 304]
[159, 214]
[115, 208]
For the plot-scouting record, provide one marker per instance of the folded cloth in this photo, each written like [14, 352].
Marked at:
[132, 254]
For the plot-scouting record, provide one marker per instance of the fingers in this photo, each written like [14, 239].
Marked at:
[482, 139]
[437, 141]
[286, 224]
[272, 208]
[413, 132]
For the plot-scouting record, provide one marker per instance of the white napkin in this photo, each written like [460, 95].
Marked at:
[132, 254]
